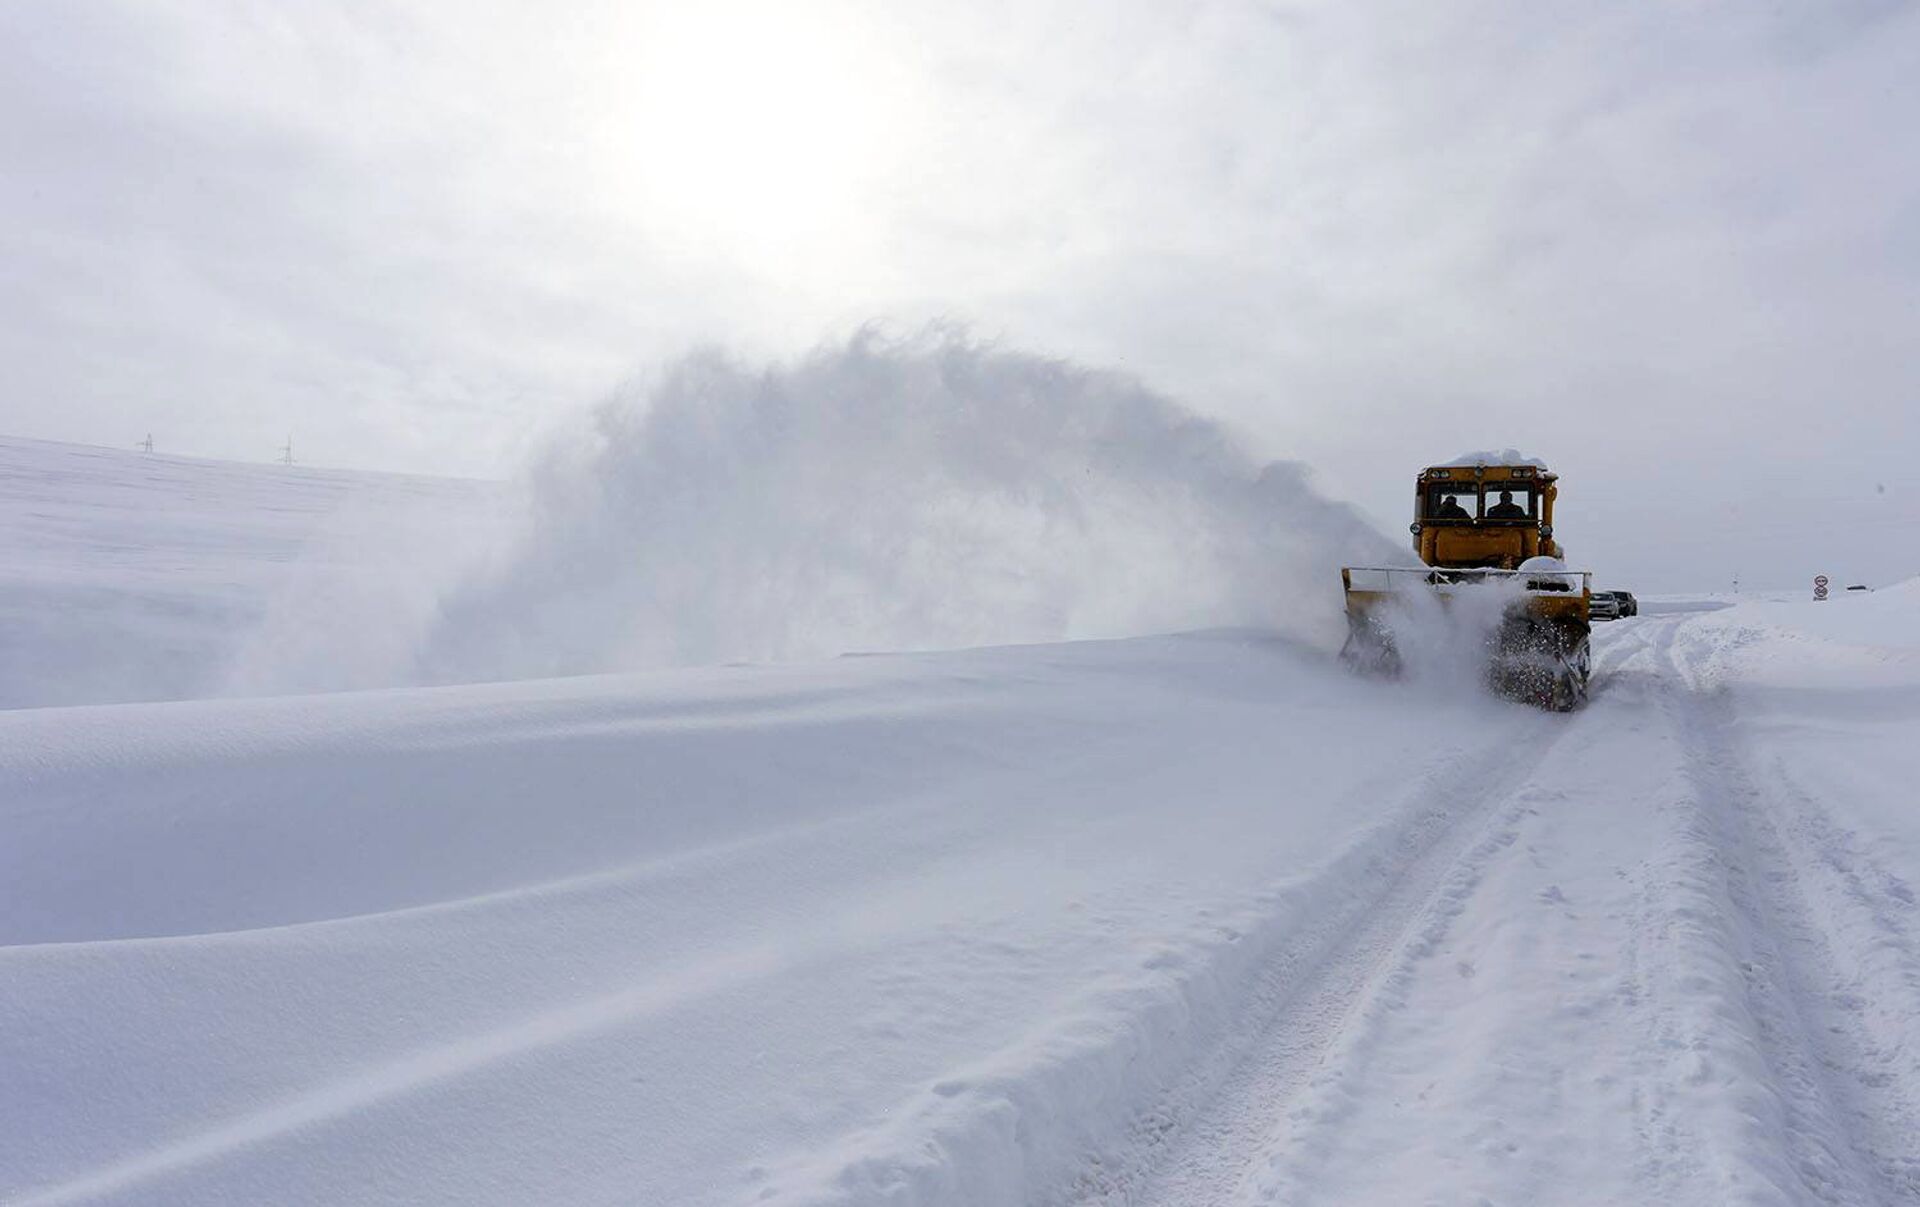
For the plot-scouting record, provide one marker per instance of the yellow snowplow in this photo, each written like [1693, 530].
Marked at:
[1490, 572]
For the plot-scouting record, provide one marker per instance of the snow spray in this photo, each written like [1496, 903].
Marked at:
[886, 494]
[1447, 644]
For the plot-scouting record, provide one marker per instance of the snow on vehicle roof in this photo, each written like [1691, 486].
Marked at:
[1549, 569]
[1505, 456]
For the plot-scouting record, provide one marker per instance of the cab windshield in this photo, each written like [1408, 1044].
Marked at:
[1509, 502]
[1453, 503]
[1501, 501]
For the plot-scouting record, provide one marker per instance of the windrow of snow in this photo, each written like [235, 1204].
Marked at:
[1850, 640]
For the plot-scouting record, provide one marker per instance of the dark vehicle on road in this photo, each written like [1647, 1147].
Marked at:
[1612, 605]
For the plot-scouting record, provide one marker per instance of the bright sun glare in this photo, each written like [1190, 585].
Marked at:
[756, 125]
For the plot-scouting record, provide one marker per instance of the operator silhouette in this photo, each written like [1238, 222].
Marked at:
[1506, 508]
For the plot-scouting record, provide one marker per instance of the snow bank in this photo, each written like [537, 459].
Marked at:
[1888, 617]
[1850, 640]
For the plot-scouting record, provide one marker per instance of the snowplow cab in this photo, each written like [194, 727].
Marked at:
[1484, 516]
[1484, 536]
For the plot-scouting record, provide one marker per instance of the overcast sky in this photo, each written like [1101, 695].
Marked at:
[1672, 248]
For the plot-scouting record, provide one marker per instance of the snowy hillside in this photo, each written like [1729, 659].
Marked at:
[1189, 919]
[126, 576]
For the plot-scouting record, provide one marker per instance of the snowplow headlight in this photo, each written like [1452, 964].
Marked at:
[1414, 528]
[1546, 530]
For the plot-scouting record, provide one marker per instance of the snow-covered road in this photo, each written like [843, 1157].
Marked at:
[1172, 920]
[1654, 968]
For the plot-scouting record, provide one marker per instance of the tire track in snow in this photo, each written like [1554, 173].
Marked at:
[1821, 1109]
[1662, 1063]
[1273, 1080]
[1872, 988]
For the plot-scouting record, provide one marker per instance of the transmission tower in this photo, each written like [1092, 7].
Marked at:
[146, 446]
[286, 453]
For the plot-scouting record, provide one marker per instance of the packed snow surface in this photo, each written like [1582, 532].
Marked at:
[1179, 920]
[1187, 919]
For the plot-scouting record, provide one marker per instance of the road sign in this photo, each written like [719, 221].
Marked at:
[1819, 586]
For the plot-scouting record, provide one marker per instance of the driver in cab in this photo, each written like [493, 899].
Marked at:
[1506, 508]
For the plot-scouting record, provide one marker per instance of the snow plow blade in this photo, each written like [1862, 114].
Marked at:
[1536, 626]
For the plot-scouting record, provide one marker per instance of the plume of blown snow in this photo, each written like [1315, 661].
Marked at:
[1445, 644]
[886, 494]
